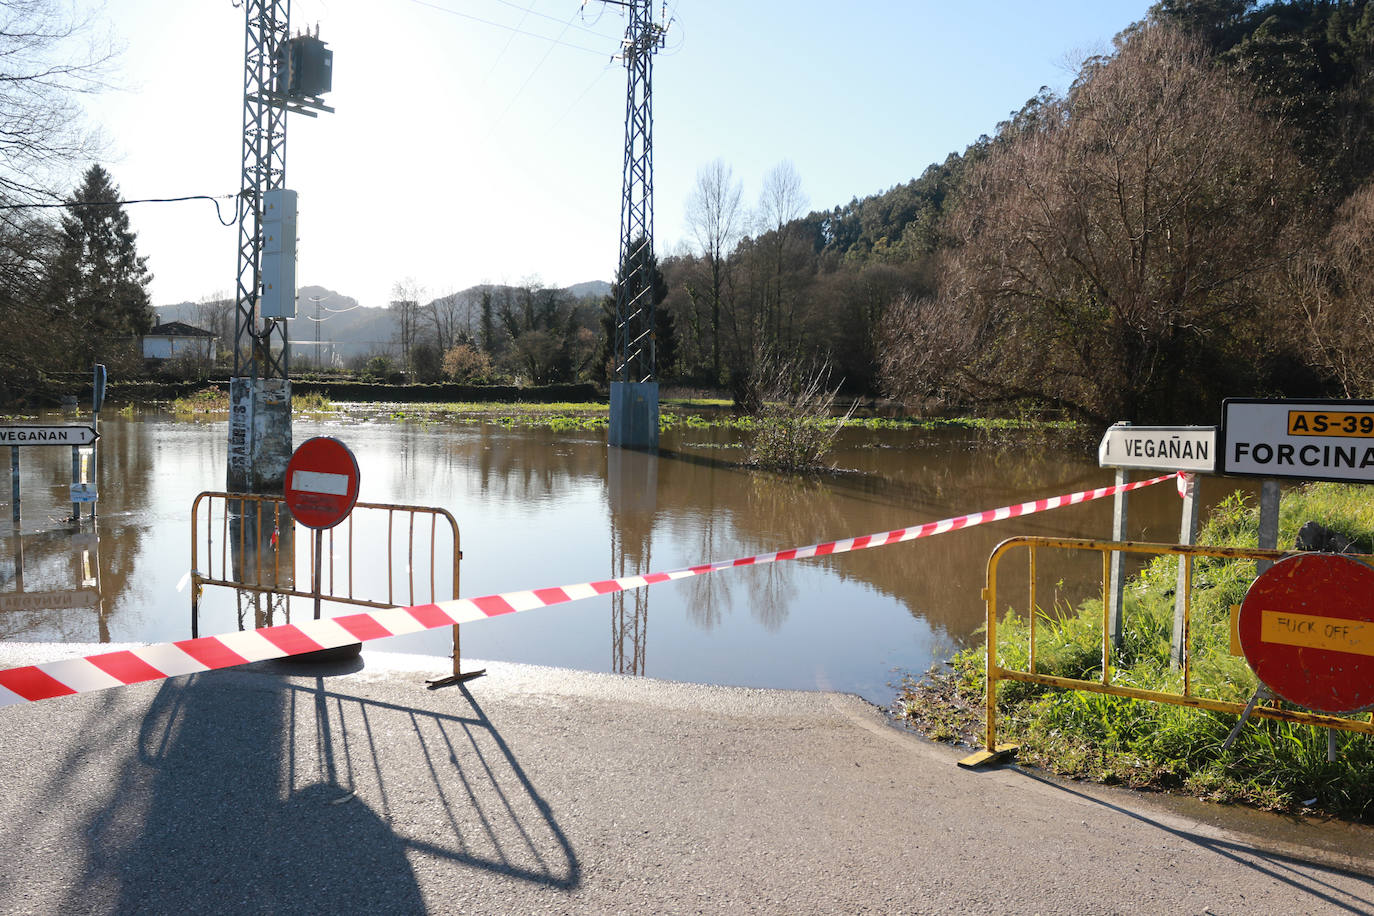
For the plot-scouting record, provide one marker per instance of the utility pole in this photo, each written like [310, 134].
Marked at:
[281, 74]
[634, 388]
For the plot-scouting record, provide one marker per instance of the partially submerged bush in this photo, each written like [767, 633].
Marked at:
[794, 425]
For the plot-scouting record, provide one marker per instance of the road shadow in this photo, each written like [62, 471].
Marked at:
[252, 793]
[1300, 874]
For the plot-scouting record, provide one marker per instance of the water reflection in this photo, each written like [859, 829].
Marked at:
[632, 494]
[56, 587]
[539, 508]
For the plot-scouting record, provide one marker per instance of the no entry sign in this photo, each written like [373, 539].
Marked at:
[1307, 629]
[321, 482]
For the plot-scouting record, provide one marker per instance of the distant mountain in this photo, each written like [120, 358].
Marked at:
[594, 288]
[345, 330]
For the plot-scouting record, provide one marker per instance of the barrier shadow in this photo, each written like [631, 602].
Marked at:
[252, 793]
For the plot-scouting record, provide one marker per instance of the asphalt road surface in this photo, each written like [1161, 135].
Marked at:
[278, 788]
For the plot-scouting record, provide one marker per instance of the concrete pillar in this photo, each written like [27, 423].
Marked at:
[259, 434]
[634, 415]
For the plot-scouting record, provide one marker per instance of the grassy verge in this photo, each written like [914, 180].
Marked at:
[1273, 765]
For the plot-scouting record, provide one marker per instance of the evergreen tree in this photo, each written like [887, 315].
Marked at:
[98, 282]
[487, 330]
[665, 332]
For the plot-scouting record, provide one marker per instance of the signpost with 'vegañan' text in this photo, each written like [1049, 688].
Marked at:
[48, 435]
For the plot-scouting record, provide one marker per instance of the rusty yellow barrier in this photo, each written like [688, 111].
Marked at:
[1033, 545]
[256, 553]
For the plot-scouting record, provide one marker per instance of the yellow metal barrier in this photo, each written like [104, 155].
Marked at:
[256, 553]
[1033, 545]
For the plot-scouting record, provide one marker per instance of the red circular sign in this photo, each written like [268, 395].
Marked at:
[321, 482]
[1307, 629]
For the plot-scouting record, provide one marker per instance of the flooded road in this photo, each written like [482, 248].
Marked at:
[538, 508]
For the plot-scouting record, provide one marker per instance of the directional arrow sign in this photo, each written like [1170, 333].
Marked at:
[1162, 448]
[47, 435]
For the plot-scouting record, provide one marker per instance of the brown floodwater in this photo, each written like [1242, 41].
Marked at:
[538, 508]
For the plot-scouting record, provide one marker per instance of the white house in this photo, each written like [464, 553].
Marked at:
[175, 338]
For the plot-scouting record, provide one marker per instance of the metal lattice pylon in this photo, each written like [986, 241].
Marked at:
[260, 352]
[634, 318]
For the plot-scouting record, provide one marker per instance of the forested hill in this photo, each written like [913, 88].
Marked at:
[1311, 64]
[1190, 220]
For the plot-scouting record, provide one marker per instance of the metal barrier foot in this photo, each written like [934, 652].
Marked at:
[452, 679]
[1261, 693]
[998, 754]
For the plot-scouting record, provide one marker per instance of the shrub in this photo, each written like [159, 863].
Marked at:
[466, 363]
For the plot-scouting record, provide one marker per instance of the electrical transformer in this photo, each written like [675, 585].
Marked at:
[305, 67]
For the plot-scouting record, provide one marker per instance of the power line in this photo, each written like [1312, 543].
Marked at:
[533, 11]
[501, 117]
[120, 203]
[568, 109]
[502, 25]
[509, 38]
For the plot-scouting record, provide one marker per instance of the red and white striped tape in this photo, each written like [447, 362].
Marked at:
[190, 656]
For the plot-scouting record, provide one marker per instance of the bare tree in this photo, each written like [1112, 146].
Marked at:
[448, 315]
[781, 202]
[713, 213]
[405, 307]
[1333, 287]
[48, 57]
[1113, 246]
[215, 313]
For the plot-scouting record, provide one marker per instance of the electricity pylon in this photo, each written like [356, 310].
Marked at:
[260, 352]
[259, 393]
[634, 389]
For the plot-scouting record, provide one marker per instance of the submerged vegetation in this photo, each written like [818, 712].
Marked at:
[676, 413]
[213, 400]
[1273, 765]
[206, 400]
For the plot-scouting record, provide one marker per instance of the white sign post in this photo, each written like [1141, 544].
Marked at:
[47, 435]
[1156, 448]
[74, 436]
[1308, 440]
[1159, 448]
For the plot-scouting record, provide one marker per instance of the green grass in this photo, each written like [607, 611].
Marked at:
[216, 400]
[206, 400]
[676, 413]
[1273, 765]
[312, 402]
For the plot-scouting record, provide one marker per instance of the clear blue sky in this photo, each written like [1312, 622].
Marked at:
[467, 147]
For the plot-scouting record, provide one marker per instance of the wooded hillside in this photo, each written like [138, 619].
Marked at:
[1190, 220]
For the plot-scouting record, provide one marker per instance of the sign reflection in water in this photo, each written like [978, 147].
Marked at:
[539, 508]
[57, 581]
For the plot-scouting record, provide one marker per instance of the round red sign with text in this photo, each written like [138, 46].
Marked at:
[321, 482]
[1307, 629]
